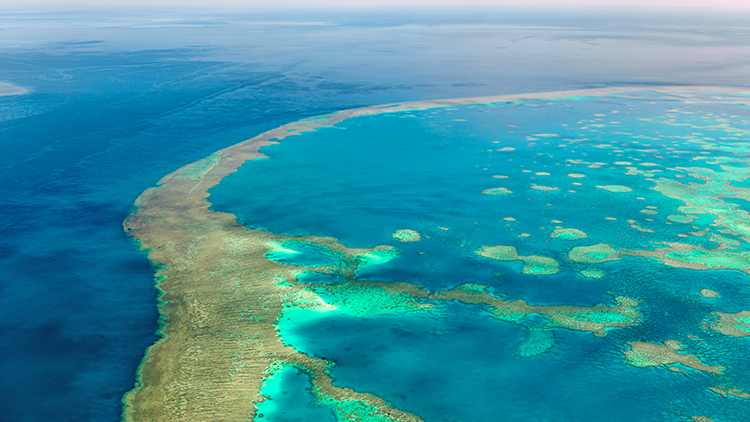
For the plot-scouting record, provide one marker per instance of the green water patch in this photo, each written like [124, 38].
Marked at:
[601, 317]
[304, 254]
[593, 273]
[595, 254]
[537, 341]
[616, 188]
[568, 234]
[497, 191]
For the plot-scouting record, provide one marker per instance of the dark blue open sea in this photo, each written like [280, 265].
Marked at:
[120, 98]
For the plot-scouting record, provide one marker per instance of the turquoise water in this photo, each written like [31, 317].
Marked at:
[425, 170]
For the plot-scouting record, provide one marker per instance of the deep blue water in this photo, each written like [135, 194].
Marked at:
[367, 177]
[120, 99]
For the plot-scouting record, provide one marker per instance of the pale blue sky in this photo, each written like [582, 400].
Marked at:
[745, 4]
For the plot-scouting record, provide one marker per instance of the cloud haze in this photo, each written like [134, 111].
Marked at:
[14, 4]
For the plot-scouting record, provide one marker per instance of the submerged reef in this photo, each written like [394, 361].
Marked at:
[593, 273]
[596, 254]
[544, 188]
[407, 235]
[685, 219]
[497, 191]
[535, 264]
[735, 325]
[644, 354]
[537, 342]
[682, 255]
[707, 198]
[615, 188]
[596, 319]
[568, 234]
[729, 392]
[675, 254]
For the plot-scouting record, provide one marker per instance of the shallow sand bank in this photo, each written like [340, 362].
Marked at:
[8, 89]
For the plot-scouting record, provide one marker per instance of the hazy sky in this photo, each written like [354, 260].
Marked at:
[15, 4]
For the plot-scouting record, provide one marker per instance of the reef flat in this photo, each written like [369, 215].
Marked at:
[567, 234]
[219, 302]
[407, 235]
[735, 325]
[596, 319]
[224, 286]
[644, 354]
[535, 264]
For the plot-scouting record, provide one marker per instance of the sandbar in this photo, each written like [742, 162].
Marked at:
[7, 89]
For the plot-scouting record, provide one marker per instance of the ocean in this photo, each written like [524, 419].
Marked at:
[119, 98]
